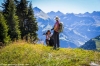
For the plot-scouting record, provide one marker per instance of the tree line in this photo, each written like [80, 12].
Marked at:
[17, 21]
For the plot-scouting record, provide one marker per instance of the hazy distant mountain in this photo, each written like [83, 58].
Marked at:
[53, 14]
[78, 28]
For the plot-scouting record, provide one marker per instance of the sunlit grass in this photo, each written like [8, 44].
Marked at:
[98, 43]
[37, 54]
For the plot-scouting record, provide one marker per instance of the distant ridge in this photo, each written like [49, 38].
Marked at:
[78, 28]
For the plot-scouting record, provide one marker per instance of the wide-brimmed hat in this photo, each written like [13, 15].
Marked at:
[57, 18]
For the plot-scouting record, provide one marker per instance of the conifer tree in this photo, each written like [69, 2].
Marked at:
[32, 26]
[3, 30]
[22, 11]
[9, 12]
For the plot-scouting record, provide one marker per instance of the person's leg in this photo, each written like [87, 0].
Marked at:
[52, 42]
[55, 39]
[47, 43]
[58, 40]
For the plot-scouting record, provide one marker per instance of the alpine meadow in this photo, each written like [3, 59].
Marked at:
[49, 33]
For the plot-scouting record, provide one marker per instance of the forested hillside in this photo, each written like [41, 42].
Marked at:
[17, 21]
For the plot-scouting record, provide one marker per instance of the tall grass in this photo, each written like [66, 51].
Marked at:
[40, 55]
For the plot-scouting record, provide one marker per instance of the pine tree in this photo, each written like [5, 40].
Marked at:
[22, 11]
[32, 26]
[3, 30]
[9, 12]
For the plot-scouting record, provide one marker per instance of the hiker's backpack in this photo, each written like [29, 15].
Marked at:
[60, 27]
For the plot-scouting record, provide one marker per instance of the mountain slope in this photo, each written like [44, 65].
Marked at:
[34, 55]
[40, 14]
[92, 44]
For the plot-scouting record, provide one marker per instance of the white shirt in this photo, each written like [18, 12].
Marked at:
[48, 36]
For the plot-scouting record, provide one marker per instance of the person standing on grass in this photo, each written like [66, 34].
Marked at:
[56, 33]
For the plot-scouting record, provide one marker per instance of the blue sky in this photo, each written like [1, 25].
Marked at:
[67, 6]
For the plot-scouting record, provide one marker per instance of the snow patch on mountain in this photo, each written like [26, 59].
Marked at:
[48, 27]
[88, 29]
[41, 25]
[97, 24]
[80, 34]
[70, 29]
[65, 18]
[42, 15]
[80, 43]
[63, 37]
[77, 32]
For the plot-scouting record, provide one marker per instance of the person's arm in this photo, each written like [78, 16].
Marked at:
[52, 28]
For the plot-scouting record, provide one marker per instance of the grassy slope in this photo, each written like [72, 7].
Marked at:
[97, 43]
[24, 53]
[97, 40]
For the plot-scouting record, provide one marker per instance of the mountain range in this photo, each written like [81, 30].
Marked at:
[78, 28]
